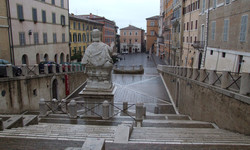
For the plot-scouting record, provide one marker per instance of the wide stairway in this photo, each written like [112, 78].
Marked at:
[158, 131]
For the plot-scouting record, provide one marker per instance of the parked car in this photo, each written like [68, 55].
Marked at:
[64, 65]
[49, 63]
[17, 71]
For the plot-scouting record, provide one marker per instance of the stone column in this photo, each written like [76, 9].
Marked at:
[46, 69]
[36, 69]
[139, 114]
[53, 68]
[1, 124]
[9, 71]
[125, 107]
[105, 110]
[24, 69]
[245, 84]
[189, 72]
[43, 108]
[72, 109]
[64, 105]
[195, 73]
[54, 105]
[60, 68]
[225, 81]
[203, 74]
[212, 76]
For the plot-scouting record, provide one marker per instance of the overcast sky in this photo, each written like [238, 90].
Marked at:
[123, 12]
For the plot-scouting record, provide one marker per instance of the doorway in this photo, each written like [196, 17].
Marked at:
[54, 89]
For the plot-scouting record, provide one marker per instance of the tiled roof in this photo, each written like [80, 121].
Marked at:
[130, 27]
[153, 18]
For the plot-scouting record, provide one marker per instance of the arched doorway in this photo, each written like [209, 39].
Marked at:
[55, 58]
[67, 57]
[54, 89]
[37, 58]
[200, 58]
[62, 58]
[46, 57]
[25, 59]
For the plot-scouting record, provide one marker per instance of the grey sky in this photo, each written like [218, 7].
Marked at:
[123, 12]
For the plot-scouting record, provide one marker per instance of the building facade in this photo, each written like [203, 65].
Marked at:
[131, 39]
[80, 34]
[109, 29]
[226, 35]
[40, 31]
[5, 51]
[152, 33]
[190, 55]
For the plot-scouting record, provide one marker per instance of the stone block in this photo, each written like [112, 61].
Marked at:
[9, 71]
[245, 84]
[43, 108]
[72, 110]
[24, 69]
[94, 144]
[122, 134]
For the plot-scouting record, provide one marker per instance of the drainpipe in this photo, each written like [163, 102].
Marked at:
[12, 57]
[206, 35]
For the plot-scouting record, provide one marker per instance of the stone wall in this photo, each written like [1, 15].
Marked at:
[204, 102]
[24, 93]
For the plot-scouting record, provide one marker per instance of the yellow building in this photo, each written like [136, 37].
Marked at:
[80, 35]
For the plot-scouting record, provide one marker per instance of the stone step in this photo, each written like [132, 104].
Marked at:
[167, 116]
[30, 120]
[176, 124]
[187, 135]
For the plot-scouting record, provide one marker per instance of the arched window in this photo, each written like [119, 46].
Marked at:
[87, 37]
[67, 57]
[55, 58]
[25, 59]
[79, 37]
[46, 57]
[37, 58]
[83, 37]
[62, 58]
[74, 37]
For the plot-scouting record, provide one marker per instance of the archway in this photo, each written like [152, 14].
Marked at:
[55, 58]
[67, 57]
[46, 57]
[54, 89]
[25, 59]
[62, 58]
[37, 58]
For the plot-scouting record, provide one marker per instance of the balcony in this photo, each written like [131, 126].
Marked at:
[199, 44]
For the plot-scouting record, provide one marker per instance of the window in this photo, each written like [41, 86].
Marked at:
[152, 32]
[196, 24]
[227, 1]
[187, 40]
[83, 37]
[20, 12]
[74, 25]
[62, 20]
[152, 23]
[136, 33]
[223, 54]
[184, 26]
[124, 33]
[130, 33]
[83, 27]
[187, 25]
[79, 37]
[214, 3]
[62, 3]
[211, 52]
[191, 39]
[53, 2]
[213, 30]
[45, 38]
[54, 38]
[43, 16]
[202, 33]
[34, 14]
[243, 28]
[191, 25]
[225, 32]
[203, 6]
[136, 40]
[63, 37]
[124, 40]
[54, 18]
[195, 39]
[74, 37]
[70, 37]
[79, 26]
[87, 37]
[183, 39]
[36, 38]
[22, 38]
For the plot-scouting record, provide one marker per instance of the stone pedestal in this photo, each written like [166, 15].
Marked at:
[93, 101]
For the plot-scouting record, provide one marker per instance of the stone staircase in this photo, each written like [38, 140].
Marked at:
[158, 131]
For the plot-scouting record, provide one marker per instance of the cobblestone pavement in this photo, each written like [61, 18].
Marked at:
[147, 88]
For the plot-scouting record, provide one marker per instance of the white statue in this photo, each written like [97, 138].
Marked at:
[98, 53]
[98, 62]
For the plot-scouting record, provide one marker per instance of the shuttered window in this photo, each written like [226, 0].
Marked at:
[243, 28]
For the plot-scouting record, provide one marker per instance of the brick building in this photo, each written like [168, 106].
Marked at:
[152, 33]
[131, 39]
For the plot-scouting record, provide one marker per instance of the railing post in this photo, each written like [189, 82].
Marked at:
[64, 105]
[203, 74]
[9, 71]
[212, 77]
[1, 124]
[60, 68]
[54, 105]
[225, 79]
[72, 109]
[24, 69]
[105, 110]
[53, 68]
[36, 69]
[245, 84]
[195, 73]
[139, 114]
[43, 108]
[125, 107]
[46, 69]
